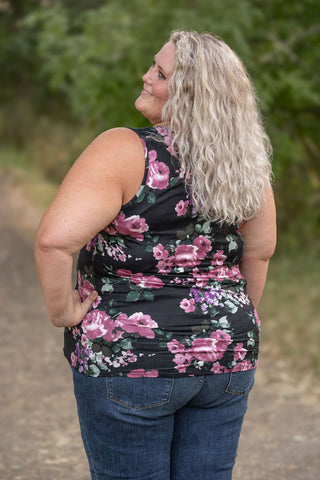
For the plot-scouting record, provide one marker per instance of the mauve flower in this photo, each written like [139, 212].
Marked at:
[204, 349]
[140, 372]
[74, 359]
[85, 290]
[124, 273]
[187, 305]
[218, 258]
[182, 361]
[149, 281]
[158, 175]
[217, 368]
[204, 246]
[137, 323]
[201, 278]
[165, 266]
[239, 352]
[159, 252]
[257, 318]
[133, 226]
[181, 208]
[93, 324]
[186, 256]
[175, 347]
[222, 339]
[152, 155]
[151, 373]
[242, 366]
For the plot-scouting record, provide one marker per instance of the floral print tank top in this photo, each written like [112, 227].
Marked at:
[171, 298]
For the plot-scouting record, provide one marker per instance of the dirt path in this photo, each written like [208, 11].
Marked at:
[40, 437]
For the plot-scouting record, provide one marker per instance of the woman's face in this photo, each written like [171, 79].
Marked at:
[155, 88]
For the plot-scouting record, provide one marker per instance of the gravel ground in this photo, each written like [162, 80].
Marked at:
[40, 438]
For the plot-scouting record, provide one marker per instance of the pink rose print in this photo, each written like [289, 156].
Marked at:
[124, 273]
[140, 372]
[159, 252]
[201, 278]
[239, 352]
[175, 347]
[74, 359]
[257, 318]
[186, 256]
[243, 366]
[204, 246]
[165, 266]
[235, 272]
[152, 155]
[222, 338]
[137, 323]
[133, 226]
[218, 258]
[217, 368]
[181, 208]
[98, 324]
[187, 305]
[158, 175]
[204, 349]
[149, 281]
[182, 361]
[84, 341]
[85, 289]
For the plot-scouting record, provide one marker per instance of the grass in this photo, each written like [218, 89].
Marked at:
[290, 311]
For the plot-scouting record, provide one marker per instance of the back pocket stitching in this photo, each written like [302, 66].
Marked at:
[234, 391]
[110, 396]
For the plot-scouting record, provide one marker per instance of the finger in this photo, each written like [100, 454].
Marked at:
[86, 304]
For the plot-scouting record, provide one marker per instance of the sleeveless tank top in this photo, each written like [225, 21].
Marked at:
[171, 298]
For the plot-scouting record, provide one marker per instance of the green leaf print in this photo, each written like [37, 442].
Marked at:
[151, 197]
[93, 371]
[140, 194]
[126, 344]
[107, 287]
[223, 322]
[133, 296]
[206, 228]
[148, 295]
[232, 243]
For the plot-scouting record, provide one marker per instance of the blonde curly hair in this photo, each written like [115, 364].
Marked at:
[212, 110]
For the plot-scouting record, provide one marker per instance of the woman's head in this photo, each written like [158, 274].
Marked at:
[154, 94]
[200, 89]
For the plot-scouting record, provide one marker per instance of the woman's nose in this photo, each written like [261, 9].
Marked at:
[147, 76]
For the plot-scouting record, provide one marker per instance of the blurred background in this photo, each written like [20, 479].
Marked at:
[71, 69]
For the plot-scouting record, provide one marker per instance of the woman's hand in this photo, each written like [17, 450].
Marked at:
[79, 308]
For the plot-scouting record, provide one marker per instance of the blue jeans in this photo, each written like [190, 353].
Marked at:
[162, 428]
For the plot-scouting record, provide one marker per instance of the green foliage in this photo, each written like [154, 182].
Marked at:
[82, 61]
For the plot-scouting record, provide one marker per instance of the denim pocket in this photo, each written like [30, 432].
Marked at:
[139, 393]
[241, 382]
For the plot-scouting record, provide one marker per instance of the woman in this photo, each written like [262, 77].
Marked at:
[162, 332]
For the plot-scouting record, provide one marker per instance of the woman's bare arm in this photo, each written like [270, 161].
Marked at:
[105, 176]
[259, 236]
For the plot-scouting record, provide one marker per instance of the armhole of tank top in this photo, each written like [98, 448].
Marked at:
[145, 175]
